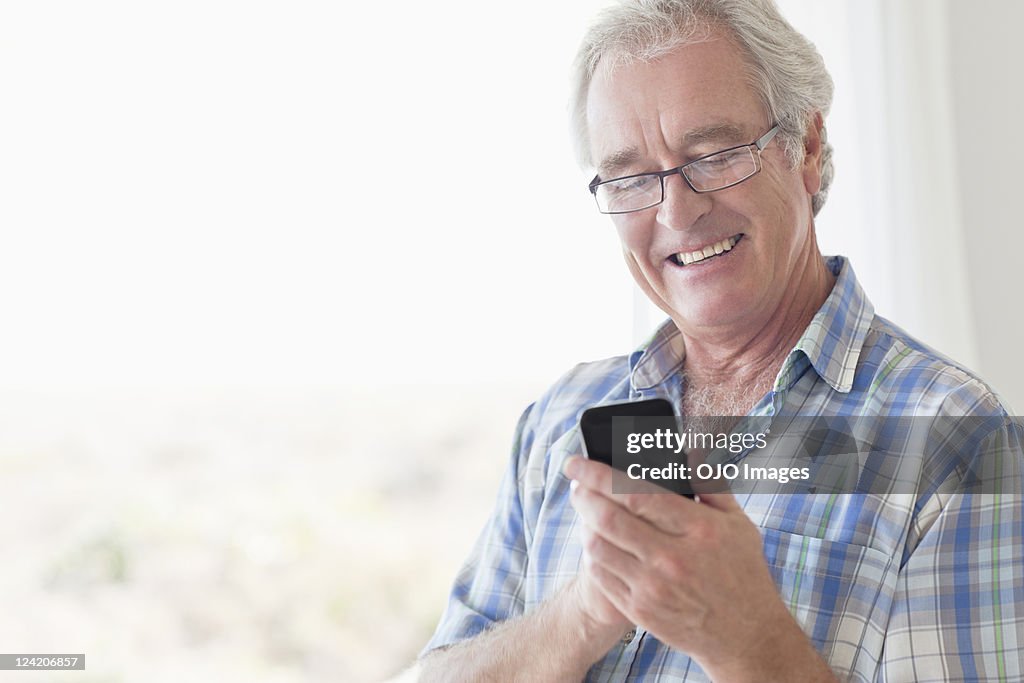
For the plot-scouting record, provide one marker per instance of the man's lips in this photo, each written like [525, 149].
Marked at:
[686, 258]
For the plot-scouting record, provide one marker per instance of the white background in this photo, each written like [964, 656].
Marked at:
[310, 193]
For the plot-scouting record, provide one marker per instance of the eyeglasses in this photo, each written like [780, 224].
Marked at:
[709, 173]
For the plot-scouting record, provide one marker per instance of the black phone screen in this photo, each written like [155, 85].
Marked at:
[596, 423]
[596, 429]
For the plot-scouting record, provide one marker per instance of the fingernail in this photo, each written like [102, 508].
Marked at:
[573, 485]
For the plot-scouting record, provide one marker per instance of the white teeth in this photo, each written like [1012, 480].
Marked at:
[686, 258]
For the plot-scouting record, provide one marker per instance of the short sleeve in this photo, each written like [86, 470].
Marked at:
[958, 610]
[488, 587]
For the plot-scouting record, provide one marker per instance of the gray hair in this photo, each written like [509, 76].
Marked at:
[784, 67]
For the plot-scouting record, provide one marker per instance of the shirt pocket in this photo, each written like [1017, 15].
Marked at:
[840, 593]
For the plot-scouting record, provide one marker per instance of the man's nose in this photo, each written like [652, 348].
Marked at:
[682, 206]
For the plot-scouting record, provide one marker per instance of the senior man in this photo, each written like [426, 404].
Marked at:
[704, 120]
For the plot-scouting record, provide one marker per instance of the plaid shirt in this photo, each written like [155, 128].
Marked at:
[925, 586]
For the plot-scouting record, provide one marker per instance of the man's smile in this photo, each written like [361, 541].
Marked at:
[716, 249]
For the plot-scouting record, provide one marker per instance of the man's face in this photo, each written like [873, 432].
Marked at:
[648, 117]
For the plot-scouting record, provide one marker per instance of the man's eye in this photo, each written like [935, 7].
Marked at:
[637, 184]
[723, 161]
[716, 162]
[724, 168]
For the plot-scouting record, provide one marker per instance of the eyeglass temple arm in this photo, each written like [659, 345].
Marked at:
[763, 141]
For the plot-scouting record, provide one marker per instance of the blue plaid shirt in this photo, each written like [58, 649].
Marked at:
[925, 586]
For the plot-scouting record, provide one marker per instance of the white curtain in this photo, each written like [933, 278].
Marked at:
[898, 206]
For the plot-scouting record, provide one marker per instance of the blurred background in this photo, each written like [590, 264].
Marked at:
[277, 280]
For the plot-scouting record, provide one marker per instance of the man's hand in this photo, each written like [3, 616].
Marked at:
[599, 614]
[693, 574]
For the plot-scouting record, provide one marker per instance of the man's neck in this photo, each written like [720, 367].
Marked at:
[752, 356]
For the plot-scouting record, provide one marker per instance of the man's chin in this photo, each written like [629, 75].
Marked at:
[710, 315]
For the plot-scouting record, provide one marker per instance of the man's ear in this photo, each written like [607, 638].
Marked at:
[813, 143]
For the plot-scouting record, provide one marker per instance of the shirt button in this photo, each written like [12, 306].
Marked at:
[628, 638]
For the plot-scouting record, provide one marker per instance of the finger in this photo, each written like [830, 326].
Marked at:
[603, 479]
[613, 588]
[666, 511]
[722, 500]
[604, 553]
[615, 523]
[589, 473]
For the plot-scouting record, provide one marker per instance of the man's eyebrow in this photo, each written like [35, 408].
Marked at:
[616, 161]
[724, 132]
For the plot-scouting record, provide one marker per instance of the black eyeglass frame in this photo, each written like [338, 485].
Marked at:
[758, 144]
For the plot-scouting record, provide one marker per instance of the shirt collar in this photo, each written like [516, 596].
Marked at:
[832, 341]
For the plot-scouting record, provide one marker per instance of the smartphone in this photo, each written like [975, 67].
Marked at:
[596, 428]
